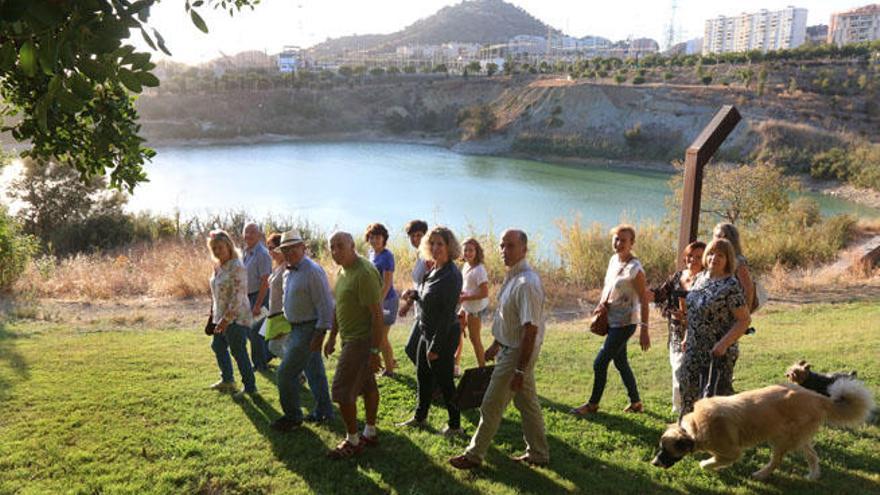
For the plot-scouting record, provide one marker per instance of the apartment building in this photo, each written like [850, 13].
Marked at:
[856, 25]
[764, 30]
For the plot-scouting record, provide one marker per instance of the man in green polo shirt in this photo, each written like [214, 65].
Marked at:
[358, 321]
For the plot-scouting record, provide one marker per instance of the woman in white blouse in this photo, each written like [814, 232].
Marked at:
[231, 314]
[626, 297]
[474, 300]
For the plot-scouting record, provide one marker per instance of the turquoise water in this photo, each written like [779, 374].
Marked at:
[349, 185]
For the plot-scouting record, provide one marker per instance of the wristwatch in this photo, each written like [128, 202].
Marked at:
[374, 350]
[519, 372]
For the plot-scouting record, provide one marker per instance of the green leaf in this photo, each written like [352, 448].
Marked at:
[54, 86]
[161, 41]
[130, 80]
[81, 86]
[47, 54]
[42, 110]
[94, 69]
[69, 102]
[148, 79]
[27, 58]
[7, 57]
[198, 21]
[198, 3]
[147, 39]
[139, 60]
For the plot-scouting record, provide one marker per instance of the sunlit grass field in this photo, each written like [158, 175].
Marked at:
[99, 408]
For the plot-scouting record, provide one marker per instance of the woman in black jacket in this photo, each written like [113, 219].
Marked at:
[438, 327]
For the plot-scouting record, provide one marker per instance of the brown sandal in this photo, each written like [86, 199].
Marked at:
[463, 462]
[584, 410]
[344, 450]
[635, 407]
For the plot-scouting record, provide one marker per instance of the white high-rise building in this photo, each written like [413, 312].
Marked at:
[764, 30]
[856, 25]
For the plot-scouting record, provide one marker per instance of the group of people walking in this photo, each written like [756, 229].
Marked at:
[275, 296]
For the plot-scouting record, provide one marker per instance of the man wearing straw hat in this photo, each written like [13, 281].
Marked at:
[308, 306]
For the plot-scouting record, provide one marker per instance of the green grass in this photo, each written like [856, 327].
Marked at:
[102, 409]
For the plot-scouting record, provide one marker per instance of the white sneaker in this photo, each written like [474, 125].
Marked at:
[222, 386]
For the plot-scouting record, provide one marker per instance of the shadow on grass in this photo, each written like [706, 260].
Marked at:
[397, 461]
[578, 470]
[623, 423]
[14, 359]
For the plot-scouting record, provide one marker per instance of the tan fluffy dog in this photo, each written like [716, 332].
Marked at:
[786, 416]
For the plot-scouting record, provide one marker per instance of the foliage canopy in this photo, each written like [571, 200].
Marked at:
[68, 77]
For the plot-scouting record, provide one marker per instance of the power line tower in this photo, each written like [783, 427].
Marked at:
[670, 30]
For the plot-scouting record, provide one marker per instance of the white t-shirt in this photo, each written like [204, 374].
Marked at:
[473, 277]
[624, 307]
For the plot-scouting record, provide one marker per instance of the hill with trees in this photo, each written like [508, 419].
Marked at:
[475, 21]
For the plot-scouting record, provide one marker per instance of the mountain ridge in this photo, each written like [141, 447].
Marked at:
[471, 21]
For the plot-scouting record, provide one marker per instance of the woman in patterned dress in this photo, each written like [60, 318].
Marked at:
[667, 299]
[717, 316]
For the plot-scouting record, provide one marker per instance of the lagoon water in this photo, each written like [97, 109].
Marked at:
[350, 184]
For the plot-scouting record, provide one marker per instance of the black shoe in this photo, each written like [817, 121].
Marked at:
[284, 424]
[314, 418]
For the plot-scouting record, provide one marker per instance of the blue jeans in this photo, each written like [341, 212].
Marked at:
[300, 358]
[233, 339]
[614, 349]
[259, 349]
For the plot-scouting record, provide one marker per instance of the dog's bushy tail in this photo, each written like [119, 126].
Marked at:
[851, 403]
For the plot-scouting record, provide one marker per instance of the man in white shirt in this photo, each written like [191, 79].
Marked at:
[518, 329]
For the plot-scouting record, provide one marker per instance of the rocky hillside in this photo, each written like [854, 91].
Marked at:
[539, 116]
[471, 21]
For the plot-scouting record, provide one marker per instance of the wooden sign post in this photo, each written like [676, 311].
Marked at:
[697, 156]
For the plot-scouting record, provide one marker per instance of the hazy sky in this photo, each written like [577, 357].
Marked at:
[275, 23]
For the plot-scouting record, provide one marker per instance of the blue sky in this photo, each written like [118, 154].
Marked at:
[275, 23]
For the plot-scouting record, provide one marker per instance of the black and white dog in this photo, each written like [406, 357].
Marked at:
[801, 374]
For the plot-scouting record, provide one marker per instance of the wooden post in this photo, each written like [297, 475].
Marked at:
[697, 156]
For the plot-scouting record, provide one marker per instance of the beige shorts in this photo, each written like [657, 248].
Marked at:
[353, 376]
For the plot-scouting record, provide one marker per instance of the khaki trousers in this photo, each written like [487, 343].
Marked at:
[495, 402]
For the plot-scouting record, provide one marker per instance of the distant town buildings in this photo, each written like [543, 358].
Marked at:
[764, 30]
[817, 35]
[689, 47]
[289, 59]
[856, 25]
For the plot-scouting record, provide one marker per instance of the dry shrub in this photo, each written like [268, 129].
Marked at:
[176, 269]
[585, 251]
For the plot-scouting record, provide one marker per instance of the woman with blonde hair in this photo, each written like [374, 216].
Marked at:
[625, 295]
[474, 300]
[717, 316]
[436, 322]
[729, 232]
[231, 314]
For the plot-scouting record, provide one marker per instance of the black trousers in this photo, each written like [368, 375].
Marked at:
[438, 372]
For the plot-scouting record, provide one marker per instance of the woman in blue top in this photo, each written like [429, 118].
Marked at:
[377, 236]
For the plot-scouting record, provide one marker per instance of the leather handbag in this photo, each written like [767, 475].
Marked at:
[210, 325]
[599, 321]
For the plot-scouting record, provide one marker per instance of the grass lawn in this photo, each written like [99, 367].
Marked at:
[101, 409]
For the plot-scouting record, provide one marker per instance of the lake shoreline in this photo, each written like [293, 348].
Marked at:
[501, 149]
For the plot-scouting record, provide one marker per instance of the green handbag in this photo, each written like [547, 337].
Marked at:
[276, 325]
